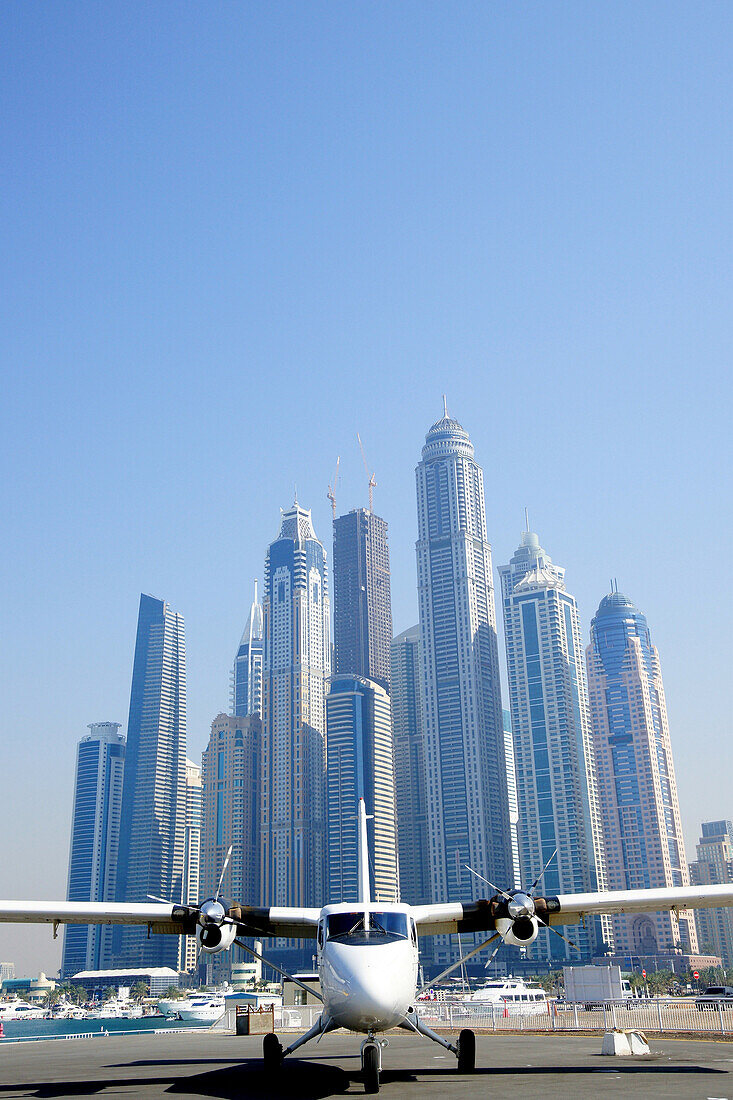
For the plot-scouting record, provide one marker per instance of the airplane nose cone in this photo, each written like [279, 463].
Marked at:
[369, 989]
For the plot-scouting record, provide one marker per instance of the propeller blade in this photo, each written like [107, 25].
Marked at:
[533, 887]
[549, 926]
[154, 897]
[496, 888]
[223, 872]
[490, 959]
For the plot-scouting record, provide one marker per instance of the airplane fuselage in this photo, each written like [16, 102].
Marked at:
[367, 964]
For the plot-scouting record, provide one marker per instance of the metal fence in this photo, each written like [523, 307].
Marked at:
[663, 1014]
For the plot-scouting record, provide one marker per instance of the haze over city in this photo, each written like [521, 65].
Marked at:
[236, 237]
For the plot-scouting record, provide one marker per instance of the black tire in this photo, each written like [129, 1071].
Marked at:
[371, 1069]
[272, 1051]
[466, 1051]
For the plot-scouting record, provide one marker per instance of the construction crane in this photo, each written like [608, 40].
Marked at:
[331, 494]
[372, 478]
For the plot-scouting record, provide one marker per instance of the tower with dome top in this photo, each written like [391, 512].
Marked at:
[467, 806]
[638, 790]
[557, 789]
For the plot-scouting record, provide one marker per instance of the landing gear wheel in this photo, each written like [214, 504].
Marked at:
[370, 1065]
[272, 1051]
[466, 1051]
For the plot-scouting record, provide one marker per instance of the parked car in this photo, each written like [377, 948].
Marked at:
[715, 995]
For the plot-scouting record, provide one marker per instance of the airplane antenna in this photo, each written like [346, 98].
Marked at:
[372, 478]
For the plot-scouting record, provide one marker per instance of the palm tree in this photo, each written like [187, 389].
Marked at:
[139, 991]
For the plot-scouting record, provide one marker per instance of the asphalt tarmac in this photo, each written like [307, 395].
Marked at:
[223, 1066]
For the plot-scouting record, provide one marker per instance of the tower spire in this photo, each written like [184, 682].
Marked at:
[526, 520]
[445, 407]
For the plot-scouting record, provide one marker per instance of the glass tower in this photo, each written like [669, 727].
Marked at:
[637, 786]
[557, 793]
[409, 756]
[360, 765]
[230, 817]
[714, 864]
[362, 615]
[247, 672]
[467, 804]
[95, 834]
[297, 668]
[153, 825]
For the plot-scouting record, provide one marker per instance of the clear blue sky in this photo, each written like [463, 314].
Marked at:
[235, 234]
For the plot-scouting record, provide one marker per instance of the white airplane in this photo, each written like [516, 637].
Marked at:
[368, 952]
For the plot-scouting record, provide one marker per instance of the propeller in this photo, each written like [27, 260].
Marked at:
[522, 919]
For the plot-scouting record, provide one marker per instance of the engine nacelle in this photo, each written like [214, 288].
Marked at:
[215, 932]
[216, 937]
[520, 932]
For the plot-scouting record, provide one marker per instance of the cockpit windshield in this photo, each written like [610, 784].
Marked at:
[367, 927]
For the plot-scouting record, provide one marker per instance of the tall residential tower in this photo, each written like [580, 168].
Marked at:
[362, 607]
[557, 792]
[467, 804]
[152, 833]
[297, 667]
[714, 864]
[638, 791]
[409, 756]
[247, 672]
[95, 835]
[360, 765]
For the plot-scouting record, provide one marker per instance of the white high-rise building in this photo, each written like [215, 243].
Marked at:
[191, 858]
[297, 669]
[557, 790]
[95, 836]
[467, 803]
[360, 765]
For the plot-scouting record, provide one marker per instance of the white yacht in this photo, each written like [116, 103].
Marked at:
[20, 1010]
[115, 1009]
[512, 996]
[203, 1007]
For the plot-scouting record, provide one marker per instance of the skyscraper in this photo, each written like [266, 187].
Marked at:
[191, 858]
[360, 765]
[152, 833]
[297, 668]
[636, 780]
[95, 835]
[409, 757]
[247, 672]
[714, 864]
[362, 620]
[230, 816]
[467, 805]
[557, 791]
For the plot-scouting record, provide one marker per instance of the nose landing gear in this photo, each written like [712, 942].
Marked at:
[371, 1061]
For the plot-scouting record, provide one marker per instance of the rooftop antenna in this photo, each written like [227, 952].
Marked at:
[372, 478]
[295, 495]
[331, 494]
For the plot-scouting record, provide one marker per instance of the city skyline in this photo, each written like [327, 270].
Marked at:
[324, 219]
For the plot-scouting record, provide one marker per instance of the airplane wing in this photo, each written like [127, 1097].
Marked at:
[283, 921]
[481, 916]
[571, 908]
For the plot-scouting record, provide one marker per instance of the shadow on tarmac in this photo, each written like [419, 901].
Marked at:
[303, 1080]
